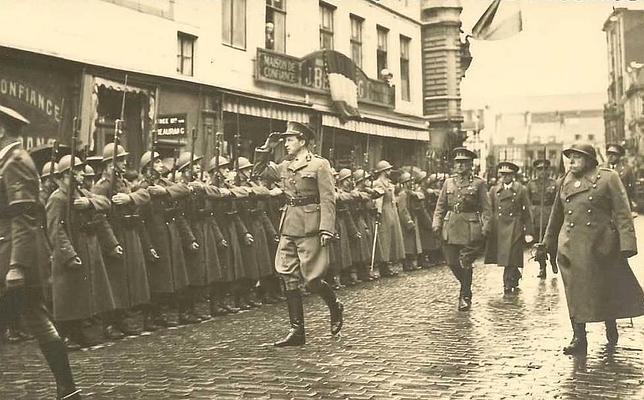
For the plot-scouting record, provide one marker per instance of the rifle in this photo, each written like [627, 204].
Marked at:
[54, 156]
[543, 195]
[175, 158]
[118, 130]
[71, 189]
[192, 152]
[218, 136]
[205, 141]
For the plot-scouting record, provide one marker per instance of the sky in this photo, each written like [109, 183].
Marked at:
[562, 50]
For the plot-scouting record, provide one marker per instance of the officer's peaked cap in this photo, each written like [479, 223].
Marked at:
[302, 131]
[507, 167]
[12, 115]
[461, 153]
[615, 148]
[584, 149]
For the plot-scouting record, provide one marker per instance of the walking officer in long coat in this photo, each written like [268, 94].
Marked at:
[307, 225]
[591, 232]
[24, 250]
[462, 217]
[541, 193]
[511, 224]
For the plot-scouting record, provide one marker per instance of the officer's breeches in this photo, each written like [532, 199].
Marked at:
[301, 257]
[460, 258]
[36, 317]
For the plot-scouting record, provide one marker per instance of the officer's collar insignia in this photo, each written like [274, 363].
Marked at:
[299, 162]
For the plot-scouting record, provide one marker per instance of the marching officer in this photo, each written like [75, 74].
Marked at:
[24, 250]
[81, 288]
[511, 223]
[307, 226]
[591, 233]
[128, 274]
[462, 217]
[616, 162]
[541, 193]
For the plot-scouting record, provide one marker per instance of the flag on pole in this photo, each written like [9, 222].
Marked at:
[501, 20]
[341, 72]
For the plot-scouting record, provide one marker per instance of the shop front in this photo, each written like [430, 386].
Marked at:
[43, 90]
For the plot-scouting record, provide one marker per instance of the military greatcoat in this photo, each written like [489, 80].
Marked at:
[168, 274]
[627, 176]
[23, 236]
[409, 222]
[511, 221]
[591, 230]
[361, 247]
[128, 275]
[254, 218]
[390, 237]
[309, 187]
[79, 292]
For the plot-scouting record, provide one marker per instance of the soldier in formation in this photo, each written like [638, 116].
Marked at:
[541, 193]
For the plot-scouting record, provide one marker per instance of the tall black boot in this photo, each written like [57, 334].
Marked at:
[611, 332]
[457, 271]
[335, 307]
[578, 344]
[56, 356]
[465, 302]
[296, 335]
[542, 270]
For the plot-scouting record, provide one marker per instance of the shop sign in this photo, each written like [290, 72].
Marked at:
[43, 96]
[308, 73]
[171, 125]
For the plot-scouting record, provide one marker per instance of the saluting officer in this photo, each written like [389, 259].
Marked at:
[307, 225]
[462, 217]
[615, 154]
[541, 192]
[511, 224]
[24, 250]
[592, 234]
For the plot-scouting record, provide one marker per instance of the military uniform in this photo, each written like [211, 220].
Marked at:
[591, 233]
[410, 224]
[627, 176]
[390, 238]
[462, 215]
[541, 193]
[309, 218]
[511, 221]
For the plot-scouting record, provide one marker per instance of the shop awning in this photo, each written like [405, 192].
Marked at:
[119, 86]
[265, 109]
[371, 127]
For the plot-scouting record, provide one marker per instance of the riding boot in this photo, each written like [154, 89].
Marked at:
[578, 344]
[336, 308]
[296, 335]
[465, 301]
[457, 272]
[611, 332]
[56, 356]
[542, 270]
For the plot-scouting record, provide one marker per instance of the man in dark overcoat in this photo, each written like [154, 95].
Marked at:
[616, 161]
[541, 193]
[511, 224]
[591, 232]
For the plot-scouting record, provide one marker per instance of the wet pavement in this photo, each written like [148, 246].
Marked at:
[403, 339]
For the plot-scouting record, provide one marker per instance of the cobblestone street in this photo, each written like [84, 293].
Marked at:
[403, 339]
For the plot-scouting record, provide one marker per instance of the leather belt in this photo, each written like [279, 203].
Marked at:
[302, 201]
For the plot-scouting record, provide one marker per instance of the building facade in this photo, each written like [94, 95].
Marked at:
[184, 66]
[624, 111]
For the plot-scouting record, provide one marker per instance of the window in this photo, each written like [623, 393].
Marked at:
[591, 137]
[381, 53]
[276, 25]
[404, 68]
[577, 137]
[356, 40]
[326, 26]
[234, 23]
[185, 53]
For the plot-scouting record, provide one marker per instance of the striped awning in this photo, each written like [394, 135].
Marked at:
[265, 109]
[378, 129]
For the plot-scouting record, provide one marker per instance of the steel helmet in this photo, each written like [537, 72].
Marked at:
[244, 163]
[184, 160]
[212, 164]
[382, 165]
[48, 170]
[584, 149]
[108, 152]
[360, 175]
[66, 161]
[344, 174]
[88, 171]
[405, 177]
[147, 158]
